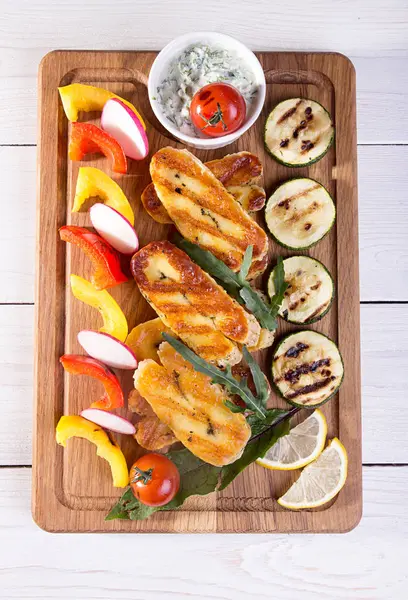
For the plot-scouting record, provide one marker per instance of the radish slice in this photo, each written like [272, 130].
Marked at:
[107, 349]
[123, 124]
[109, 421]
[114, 228]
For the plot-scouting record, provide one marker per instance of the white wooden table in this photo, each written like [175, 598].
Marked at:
[367, 563]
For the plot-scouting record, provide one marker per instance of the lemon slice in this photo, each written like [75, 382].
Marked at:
[319, 481]
[304, 443]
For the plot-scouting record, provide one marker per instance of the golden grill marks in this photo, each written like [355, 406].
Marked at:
[238, 172]
[202, 209]
[192, 407]
[192, 304]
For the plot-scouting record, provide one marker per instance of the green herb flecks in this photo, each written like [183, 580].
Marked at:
[226, 378]
[235, 283]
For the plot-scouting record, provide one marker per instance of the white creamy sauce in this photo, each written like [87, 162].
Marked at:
[196, 67]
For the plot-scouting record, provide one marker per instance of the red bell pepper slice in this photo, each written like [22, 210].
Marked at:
[85, 365]
[88, 138]
[105, 259]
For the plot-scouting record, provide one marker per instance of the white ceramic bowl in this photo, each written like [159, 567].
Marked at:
[160, 68]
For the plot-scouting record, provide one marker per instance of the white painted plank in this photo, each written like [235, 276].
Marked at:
[352, 26]
[383, 223]
[385, 367]
[366, 564]
[374, 38]
[17, 223]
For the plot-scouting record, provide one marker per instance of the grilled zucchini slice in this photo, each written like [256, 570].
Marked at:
[298, 132]
[307, 369]
[310, 290]
[300, 213]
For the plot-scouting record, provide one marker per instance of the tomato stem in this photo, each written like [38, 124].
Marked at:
[216, 118]
[144, 476]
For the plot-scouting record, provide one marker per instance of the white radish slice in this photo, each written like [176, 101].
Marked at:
[124, 125]
[109, 421]
[114, 228]
[107, 349]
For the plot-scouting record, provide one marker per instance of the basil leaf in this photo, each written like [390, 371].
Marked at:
[224, 378]
[197, 478]
[255, 448]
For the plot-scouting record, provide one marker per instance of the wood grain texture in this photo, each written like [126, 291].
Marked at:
[384, 341]
[78, 502]
[382, 174]
[366, 564]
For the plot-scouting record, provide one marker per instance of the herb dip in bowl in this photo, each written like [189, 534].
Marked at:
[189, 63]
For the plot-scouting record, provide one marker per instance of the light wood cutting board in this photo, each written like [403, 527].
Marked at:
[72, 489]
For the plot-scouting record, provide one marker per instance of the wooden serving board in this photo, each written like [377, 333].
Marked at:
[72, 489]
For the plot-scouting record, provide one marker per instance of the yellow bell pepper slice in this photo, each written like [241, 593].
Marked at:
[78, 96]
[76, 426]
[114, 321]
[94, 182]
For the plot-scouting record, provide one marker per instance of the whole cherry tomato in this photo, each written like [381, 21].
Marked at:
[154, 479]
[217, 109]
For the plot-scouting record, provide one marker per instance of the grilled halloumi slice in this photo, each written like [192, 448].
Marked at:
[151, 433]
[203, 211]
[192, 407]
[240, 168]
[250, 197]
[192, 304]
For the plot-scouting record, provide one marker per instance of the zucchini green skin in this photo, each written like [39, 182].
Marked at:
[293, 402]
[300, 248]
[319, 317]
[309, 162]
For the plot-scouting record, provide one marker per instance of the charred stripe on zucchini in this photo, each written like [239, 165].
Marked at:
[310, 290]
[298, 132]
[307, 369]
[300, 213]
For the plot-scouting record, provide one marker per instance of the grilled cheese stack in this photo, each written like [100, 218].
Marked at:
[192, 304]
[192, 407]
[204, 211]
[237, 172]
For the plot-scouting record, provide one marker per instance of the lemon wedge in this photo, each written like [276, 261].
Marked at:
[320, 481]
[302, 445]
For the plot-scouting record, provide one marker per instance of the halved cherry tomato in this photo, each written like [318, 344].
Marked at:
[154, 479]
[217, 109]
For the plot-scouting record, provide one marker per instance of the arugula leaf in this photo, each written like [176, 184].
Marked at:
[218, 376]
[260, 382]
[246, 264]
[280, 286]
[235, 283]
[197, 478]
[258, 307]
[234, 407]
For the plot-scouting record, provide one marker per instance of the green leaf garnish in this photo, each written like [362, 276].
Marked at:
[198, 478]
[224, 378]
[235, 283]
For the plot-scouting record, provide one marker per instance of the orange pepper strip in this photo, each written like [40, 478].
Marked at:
[85, 365]
[88, 138]
[104, 258]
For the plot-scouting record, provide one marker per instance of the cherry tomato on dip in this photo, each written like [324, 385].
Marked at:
[217, 109]
[154, 479]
